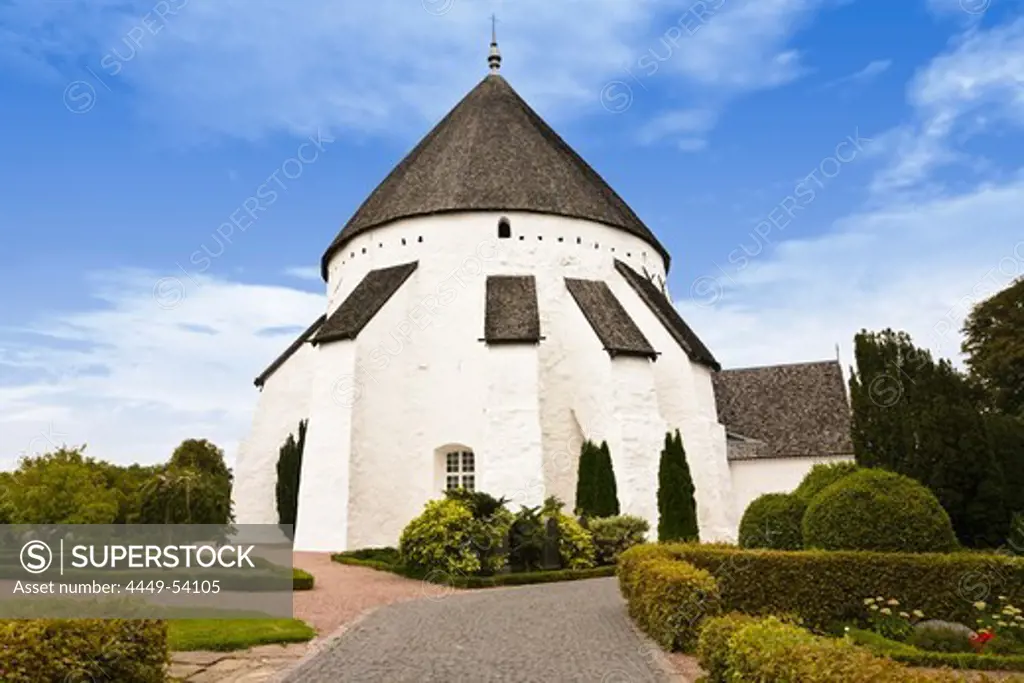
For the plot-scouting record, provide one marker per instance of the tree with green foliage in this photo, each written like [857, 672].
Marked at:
[994, 344]
[61, 487]
[677, 507]
[289, 471]
[194, 487]
[184, 495]
[607, 498]
[596, 491]
[920, 418]
[1006, 436]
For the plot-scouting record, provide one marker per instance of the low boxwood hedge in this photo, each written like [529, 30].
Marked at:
[301, 580]
[828, 587]
[668, 599]
[902, 652]
[372, 559]
[82, 650]
[713, 644]
[770, 650]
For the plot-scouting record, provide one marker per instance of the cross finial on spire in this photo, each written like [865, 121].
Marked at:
[494, 58]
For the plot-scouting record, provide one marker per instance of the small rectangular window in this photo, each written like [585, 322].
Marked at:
[467, 462]
[468, 482]
[452, 483]
[453, 462]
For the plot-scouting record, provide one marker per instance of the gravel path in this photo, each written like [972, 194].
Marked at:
[573, 631]
[342, 593]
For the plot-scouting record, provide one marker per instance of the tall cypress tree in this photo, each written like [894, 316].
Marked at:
[586, 479]
[289, 470]
[606, 499]
[677, 507]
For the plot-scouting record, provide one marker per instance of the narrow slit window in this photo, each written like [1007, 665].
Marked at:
[504, 229]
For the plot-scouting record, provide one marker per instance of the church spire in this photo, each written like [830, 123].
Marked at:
[494, 58]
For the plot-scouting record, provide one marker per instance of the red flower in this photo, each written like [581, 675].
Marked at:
[980, 639]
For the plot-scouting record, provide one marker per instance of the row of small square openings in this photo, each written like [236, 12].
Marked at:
[380, 245]
[505, 232]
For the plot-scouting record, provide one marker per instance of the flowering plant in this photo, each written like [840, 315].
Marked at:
[887, 619]
[979, 640]
[1002, 619]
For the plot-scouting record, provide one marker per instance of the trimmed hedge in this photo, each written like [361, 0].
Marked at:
[669, 599]
[83, 650]
[877, 510]
[827, 587]
[773, 521]
[770, 650]
[713, 644]
[821, 476]
[301, 580]
[357, 558]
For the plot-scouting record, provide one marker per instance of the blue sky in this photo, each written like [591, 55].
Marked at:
[132, 130]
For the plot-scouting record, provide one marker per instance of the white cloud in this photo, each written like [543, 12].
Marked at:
[982, 72]
[870, 72]
[685, 124]
[250, 68]
[304, 273]
[917, 267]
[150, 365]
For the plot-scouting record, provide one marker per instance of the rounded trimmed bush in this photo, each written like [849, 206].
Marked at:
[449, 538]
[874, 509]
[773, 521]
[821, 476]
[671, 600]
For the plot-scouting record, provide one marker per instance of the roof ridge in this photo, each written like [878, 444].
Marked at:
[830, 361]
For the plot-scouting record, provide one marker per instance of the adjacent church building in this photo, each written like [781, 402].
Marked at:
[490, 306]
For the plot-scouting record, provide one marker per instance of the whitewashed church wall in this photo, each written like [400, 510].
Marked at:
[282, 403]
[752, 478]
[424, 376]
[322, 521]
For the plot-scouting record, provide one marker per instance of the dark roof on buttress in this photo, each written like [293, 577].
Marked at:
[511, 314]
[617, 332]
[665, 312]
[492, 152]
[365, 300]
[791, 410]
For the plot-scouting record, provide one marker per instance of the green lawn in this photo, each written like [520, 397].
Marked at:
[223, 635]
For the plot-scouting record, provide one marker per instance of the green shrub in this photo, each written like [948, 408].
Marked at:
[575, 544]
[771, 650]
[878, 510]
[821, 476]
[828, 587]
[82, 650]
[526, 538]
[386, 555]
[713, 644]
[773, 521]
[614, 535]
[448, 538]
[301, 580]
[670, 599]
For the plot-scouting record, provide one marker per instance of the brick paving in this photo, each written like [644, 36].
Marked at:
[573, 631]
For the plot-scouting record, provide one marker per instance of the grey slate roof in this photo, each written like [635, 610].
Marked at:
[794, 410]
[359, 307]
[611, 323]
[511, 312]
[669, 317]
[287, 353]
[492, 152]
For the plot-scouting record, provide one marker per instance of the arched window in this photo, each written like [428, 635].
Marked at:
[457, 466]
[504, 228]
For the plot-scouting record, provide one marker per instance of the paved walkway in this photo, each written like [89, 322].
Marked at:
[573, 631]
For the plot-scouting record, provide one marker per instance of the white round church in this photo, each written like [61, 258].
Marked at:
[491, 305]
